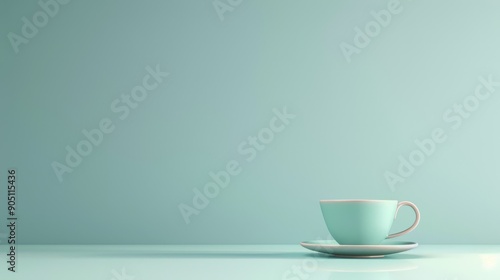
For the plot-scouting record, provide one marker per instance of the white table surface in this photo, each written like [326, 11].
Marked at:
[427, 262]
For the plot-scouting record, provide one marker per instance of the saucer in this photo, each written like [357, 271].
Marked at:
[358, 251]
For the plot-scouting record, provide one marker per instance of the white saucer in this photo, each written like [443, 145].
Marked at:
[358, 251]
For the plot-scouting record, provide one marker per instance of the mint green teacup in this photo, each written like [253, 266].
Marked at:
[363, 221]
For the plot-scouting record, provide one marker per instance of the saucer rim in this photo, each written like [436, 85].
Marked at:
[359, 251]
[402, 243]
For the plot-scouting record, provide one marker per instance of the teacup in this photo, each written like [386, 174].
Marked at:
[363, 221]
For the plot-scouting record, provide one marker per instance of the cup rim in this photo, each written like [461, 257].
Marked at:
[355, 200]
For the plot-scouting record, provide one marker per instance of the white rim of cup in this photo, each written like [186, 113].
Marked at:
[355, 200]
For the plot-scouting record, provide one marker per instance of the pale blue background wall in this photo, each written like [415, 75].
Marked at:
[352, 120]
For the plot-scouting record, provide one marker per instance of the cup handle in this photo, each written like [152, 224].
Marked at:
[415, 224]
